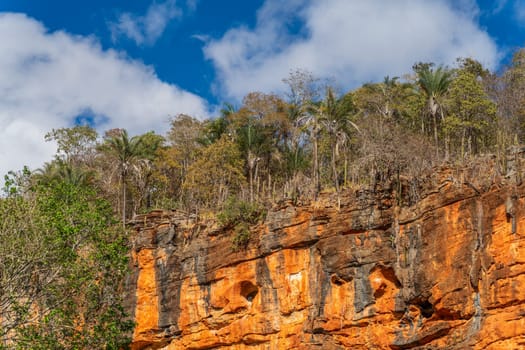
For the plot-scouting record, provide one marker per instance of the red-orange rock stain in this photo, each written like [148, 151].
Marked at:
[146, 310]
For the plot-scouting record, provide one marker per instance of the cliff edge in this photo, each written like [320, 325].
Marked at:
[440, 265]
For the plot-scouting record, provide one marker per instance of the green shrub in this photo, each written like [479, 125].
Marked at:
[241, 238]
[237, 211]
[239, 215]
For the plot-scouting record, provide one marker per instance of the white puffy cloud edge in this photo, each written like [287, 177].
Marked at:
[352, 41]
[148, 28]
[50, 78]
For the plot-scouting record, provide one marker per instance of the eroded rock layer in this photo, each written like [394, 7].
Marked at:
[445, 270]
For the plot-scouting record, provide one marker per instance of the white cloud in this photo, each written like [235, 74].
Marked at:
[145, 30]
[50, 78]
[352, 40]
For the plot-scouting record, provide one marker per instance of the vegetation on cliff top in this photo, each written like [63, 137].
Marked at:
[66, 288]
[313, 138]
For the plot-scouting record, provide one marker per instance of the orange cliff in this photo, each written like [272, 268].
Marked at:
[445, 270]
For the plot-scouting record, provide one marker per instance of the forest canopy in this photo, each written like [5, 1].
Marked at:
[312, 138]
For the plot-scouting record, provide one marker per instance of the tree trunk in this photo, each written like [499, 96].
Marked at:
[270, 185]
[251, 164]
[250, 178]
[334, 167]
[315, 165]
[434, 111]
[123, 200]
[256, 177]
[346, 171]
[463, 144]
[436, 134]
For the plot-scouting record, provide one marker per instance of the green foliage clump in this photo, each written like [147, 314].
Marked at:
[237, 211]
[241, 237]
[239, 215]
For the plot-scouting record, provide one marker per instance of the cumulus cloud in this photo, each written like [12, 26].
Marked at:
[49, 79]
[354, 41]
[146, 29]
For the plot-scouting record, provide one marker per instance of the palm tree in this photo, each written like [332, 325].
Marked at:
[383, 99]
[252, 141]
[434, 84]
[47, 174]
[126, 150]
[75, 175]
[334, 118]
[304, 91]
[63, 172]
[309, 119]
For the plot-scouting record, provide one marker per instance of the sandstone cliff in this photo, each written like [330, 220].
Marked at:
[438, 265]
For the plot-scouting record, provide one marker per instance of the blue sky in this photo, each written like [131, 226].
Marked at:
[135, 64]
[175, 54]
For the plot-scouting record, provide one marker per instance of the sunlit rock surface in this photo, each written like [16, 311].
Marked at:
[440, 268]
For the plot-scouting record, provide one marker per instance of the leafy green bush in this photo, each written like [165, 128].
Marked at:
[64, 263]
[239, 215]
[241, 238]
[237, 211]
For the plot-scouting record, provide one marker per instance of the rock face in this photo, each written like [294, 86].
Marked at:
[443, 268]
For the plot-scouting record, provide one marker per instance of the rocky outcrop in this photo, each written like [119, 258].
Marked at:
[436, 265]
